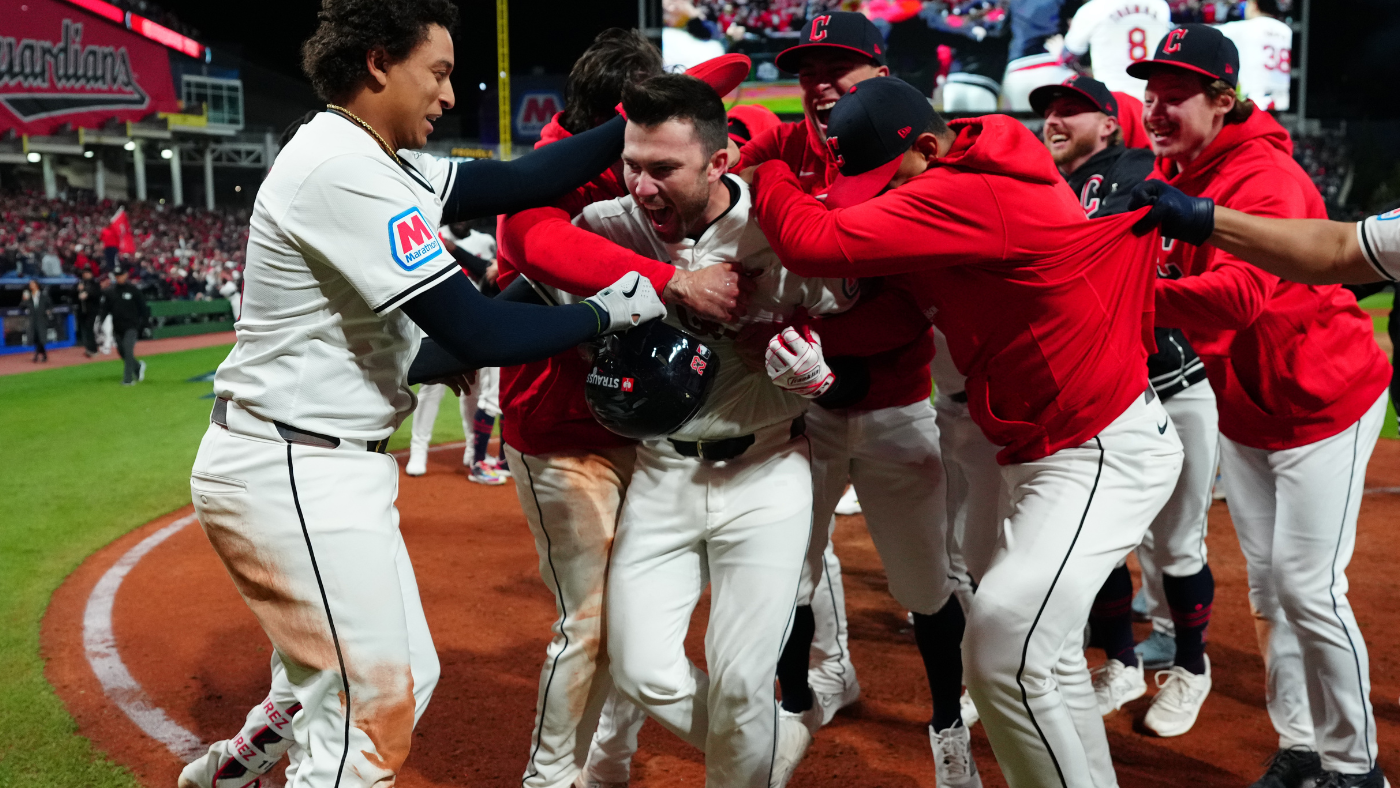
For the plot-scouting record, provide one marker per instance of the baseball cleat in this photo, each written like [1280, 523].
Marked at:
[1179, 698]
[481, 473]
[1372, 779]
[417, 464]
[968, 709]
[953, 765]
[499, 465]
[849, 503]
[214, 769]
[1294, 767]
[794, 737]
[1158, 652]
[140, 372]
[1116, 684]
[828, 703]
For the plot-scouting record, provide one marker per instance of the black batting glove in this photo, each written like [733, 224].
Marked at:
[1179, 215]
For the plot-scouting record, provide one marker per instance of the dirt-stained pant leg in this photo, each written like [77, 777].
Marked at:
[571, 502]
[310, 537]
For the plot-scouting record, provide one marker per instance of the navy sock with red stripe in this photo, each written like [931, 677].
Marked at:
[939, 638]
[793, 662]
[1191, 599]
[1111, 618]
[482, 425]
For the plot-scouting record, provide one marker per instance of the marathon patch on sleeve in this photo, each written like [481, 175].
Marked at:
[412, 241]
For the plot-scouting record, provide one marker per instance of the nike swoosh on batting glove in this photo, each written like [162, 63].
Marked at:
[794, 362]
[1180, 216]
[626, 303]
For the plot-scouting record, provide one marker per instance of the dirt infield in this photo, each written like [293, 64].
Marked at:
[198, 655]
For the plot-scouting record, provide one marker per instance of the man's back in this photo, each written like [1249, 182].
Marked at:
[1266, 53]
[1117, 33]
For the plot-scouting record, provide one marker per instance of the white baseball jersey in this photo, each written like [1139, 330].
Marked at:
[341, 238]
[741, 400]
[1379, 237]
[1266, 54]
[1116, 34]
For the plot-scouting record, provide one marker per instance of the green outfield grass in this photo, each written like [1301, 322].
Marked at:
[85, 461]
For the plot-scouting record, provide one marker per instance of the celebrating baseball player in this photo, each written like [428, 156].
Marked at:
[1083, 136]
[728, 497]
[345, 274]
[1115, 34]
[571, 473]
[1301, 388]
[884, 441]
[1048, 317]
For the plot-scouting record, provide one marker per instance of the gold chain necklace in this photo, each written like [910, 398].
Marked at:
[356, 118]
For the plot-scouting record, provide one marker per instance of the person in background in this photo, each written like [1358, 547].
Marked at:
[89, 301]
[40, 312]
[124, 302]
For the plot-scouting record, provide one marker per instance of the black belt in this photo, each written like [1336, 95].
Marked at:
[291, 434]
[729, 448]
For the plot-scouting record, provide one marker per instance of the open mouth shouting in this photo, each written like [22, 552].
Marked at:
[665, 220]
[821, 112]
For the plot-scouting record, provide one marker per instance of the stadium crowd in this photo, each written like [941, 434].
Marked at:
[180, 253]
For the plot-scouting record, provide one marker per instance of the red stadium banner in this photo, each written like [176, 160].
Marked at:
[62, 65]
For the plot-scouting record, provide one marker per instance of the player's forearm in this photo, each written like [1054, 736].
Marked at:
[800, 230]
[486, 187]
[550, 250]
[1227, 298]
[1310, 251]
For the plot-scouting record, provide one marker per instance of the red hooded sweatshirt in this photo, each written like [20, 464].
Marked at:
[885, 327]
[1291, 364]
[1048, 314]
[543, 402]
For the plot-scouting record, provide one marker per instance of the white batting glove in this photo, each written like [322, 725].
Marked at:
[795, 363]
[626, 303]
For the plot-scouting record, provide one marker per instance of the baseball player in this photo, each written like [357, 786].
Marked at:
[1056, 377]
[884, 442]
[1082, 133]
[345, 274]
[571, 473]
[1301, 388]
[1265, 44]
[1116, 34]
[728, 497]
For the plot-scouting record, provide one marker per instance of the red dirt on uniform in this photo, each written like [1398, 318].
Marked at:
[190, 641]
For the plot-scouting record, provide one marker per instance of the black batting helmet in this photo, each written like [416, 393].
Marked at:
[649, 381]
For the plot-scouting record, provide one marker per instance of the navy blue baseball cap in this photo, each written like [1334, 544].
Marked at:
[1199, 48]
[1089, 88]
[870, 129]
[846, 30]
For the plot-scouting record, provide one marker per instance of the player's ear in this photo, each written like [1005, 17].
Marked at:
[927, 145]
[377, 63]
[719, 164]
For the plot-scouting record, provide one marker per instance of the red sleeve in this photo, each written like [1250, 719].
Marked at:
[888, 321]
[764, 147]
[930, 222]
[1231, 294]
[544, 245]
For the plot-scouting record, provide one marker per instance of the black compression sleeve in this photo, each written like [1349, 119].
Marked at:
[485, 332]
[486, 187]
[470, 263]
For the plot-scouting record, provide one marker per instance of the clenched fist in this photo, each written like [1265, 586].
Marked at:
[794, 362]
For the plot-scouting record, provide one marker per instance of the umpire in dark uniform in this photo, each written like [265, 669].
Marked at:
[89, 304]
[124, 302]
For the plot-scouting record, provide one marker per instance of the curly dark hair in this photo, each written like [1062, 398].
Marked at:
[615, 58]
[334, 56]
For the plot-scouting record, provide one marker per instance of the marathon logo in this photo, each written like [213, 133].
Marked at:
[607, 382]
[1388, 215]
[62, 68]
[412, 241]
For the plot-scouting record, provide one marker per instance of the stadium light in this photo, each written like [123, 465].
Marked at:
[33, 157]
[130, 145]
[482, 86]
[87, 154]
[166, 153]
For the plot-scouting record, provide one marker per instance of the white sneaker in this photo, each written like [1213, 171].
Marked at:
[417, 463]
[832, 702]
[214, 769]
[849, 503]
[968, 709]
[140, 372]
[1179, 698]
[952, 758]
[794, 737]
[1116, 684]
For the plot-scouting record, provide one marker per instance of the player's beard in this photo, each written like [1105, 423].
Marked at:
[1079, 147]
[683, 212]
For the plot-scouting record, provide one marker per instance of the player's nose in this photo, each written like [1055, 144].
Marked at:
[446, 97]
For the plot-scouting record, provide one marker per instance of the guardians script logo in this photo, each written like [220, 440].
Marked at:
[65, 77]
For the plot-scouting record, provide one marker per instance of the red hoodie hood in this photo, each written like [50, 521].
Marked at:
[1258, 126]
[553, 131]
[1000, 145]
[610, 180]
